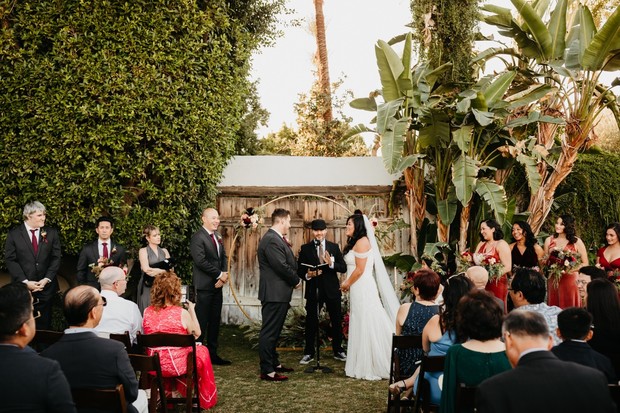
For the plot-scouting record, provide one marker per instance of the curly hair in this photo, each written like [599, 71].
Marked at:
[498, 233]
[530, 239]
[166, 289]
[359, 231]
[569, 228]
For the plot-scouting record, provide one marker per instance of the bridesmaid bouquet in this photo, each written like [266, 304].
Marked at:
[560, 262]
[492, 265]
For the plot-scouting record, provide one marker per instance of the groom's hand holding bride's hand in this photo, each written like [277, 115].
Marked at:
[344, 287]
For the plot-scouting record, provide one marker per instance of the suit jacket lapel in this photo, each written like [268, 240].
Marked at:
[27, 239]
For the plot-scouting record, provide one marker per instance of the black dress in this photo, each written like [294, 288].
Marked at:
[528, 259]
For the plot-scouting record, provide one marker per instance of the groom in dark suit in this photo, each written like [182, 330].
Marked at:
[32, 255]
[210, 273]
[278, 278]
[101, 253]
[540, 382]
[325, 280]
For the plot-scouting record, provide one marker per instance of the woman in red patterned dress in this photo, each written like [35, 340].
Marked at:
[166, 315]
[566, 293]
[608, 257]
[494, 248]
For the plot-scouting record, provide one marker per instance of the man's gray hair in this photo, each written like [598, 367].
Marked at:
[108, 275]
[31, 208]
[526, 323]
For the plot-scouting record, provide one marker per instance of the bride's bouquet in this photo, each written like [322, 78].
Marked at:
[560, 262]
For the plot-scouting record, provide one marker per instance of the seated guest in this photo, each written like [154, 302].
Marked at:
[575, 329]
[87, 360]
[480, 277]
[482, 355]
[29, 382]
[166, 315]
[412, 317]
[119, 314]
[584, 276]
[604, 306]
[527, 292]
[540, 382]
[439, 334]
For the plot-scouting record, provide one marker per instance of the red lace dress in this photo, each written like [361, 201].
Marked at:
[498, 286]
[174, 360]
[566, 293]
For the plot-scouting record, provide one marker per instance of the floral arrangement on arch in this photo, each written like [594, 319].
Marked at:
[251, 219]
[560, 262]
[406, 288]
[493, 266]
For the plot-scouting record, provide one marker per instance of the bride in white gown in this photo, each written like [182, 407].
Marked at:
[373, 304]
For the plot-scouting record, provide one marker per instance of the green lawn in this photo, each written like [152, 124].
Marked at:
[241, 390]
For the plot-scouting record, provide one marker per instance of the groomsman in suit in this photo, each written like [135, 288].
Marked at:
[32, 255]
[278, 278]
[102, 253]
[29, 382]
[209, 275]
[325, 280]
[540, 382]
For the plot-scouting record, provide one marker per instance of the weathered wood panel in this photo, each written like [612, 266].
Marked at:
[243, 263]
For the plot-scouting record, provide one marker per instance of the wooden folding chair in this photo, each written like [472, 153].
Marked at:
[148, 370]
[123, 338]
[400, 343]
[112, 400]
[429, 364]
[465, 397]
[192, 399]
[45, 338]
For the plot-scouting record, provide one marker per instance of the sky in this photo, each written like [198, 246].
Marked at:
[353, 27]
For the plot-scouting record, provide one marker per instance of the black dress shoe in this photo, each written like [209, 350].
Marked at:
[282, 369]
[218, 361]
[276, 377]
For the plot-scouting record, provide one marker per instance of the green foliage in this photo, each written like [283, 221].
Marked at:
[255, 116]
[593, 197]
[444, 32]
[128, 109]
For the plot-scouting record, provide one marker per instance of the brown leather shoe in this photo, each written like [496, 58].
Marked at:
[276, 377]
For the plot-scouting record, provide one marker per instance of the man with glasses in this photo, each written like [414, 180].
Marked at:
[32, 255]
[29, 382]
[119, 315]
[87, 360]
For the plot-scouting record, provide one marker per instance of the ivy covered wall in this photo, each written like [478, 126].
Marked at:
[122, 108]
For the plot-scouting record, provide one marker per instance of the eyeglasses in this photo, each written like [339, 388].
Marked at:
[103, 303]
[123, 279]
[581, 282]
[36, 314]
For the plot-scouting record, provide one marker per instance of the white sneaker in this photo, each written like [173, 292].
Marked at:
[307, 358]
[341, 356]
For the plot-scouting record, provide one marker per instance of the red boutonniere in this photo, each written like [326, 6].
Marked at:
[219, 239]
[44, 236]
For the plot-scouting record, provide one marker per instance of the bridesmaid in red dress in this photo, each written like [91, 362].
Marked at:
[165, 315]
[566, 293]
[608, 257]
[494, 246]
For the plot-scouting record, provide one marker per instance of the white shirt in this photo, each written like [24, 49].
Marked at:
[100, 246]
[119, 315]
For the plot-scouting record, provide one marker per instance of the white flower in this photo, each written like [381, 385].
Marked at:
[566, 263]
[492, 261]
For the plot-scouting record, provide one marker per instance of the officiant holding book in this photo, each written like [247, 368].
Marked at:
[319, 263]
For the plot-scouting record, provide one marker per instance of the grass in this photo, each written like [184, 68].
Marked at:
[241, 390]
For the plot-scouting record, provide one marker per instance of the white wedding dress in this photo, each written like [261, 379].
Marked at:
[370, 324]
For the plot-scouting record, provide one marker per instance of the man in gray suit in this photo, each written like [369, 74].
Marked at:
[209, 275]
[278, 278]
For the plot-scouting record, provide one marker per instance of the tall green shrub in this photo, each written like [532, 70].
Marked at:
[123, 108]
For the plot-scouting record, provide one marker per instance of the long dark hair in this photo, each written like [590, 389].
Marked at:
[456, 287]
[615, 226]
[569, 228]
[530, 239]
[359, 231]
[498, 233]
[603, 304]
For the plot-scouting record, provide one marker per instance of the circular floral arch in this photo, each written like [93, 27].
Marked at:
[233, 242]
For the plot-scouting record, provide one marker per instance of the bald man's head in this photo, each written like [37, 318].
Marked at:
[478, 275]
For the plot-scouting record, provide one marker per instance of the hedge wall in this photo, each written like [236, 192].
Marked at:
[122, 108]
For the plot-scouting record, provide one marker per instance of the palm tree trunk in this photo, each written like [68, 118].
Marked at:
[414, 181]
[464, 226]
[322, 63]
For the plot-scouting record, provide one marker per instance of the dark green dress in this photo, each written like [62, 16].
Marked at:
[469, 367]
